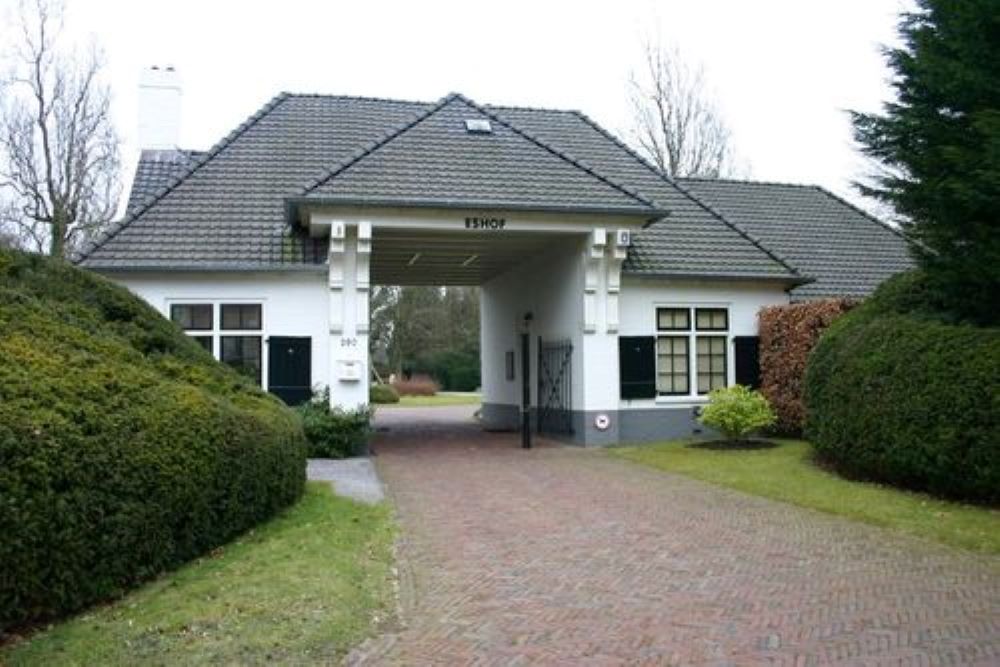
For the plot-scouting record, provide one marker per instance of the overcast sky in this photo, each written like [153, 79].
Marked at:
[783, 71]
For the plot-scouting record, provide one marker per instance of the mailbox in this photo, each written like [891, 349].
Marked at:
[350, 370]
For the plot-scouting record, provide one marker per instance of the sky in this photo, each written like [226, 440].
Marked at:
[783, 72]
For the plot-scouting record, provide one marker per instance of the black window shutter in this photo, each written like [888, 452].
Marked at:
[748, 361]
[637, 366]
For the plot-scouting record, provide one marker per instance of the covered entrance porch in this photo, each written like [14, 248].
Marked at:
[548, 305]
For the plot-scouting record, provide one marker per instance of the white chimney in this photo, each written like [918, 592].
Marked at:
[159, 108]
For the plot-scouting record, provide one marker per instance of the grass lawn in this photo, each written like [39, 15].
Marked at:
[787, 473]
[303, 588]
[441, 398]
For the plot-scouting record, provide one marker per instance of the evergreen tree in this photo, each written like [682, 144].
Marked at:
[939, 142]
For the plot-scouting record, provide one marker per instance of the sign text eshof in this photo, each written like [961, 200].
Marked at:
[485, 223]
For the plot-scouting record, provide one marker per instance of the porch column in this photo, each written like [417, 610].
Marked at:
[603, 258]
[349, 260]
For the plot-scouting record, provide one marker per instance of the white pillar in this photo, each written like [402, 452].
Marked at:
[603, 260]
[350, 252]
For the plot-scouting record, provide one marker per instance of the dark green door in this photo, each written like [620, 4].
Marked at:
[289, 368]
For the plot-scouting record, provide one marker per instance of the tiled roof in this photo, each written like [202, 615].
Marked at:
[155, 171]
[691, 240]
[847, 251]
[435, 161]
[226, 208]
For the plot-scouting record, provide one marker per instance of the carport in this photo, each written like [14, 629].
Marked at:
[459, 196]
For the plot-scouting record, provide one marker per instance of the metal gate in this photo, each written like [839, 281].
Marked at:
[555, 387]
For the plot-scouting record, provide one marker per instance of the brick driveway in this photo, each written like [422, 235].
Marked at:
[567, 556]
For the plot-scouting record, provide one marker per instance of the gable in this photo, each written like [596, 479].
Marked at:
[436, 161]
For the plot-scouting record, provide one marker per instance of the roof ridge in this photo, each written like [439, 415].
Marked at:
[520, 107]
[737, 228]
[365, 151]
[196, 164]
[745, 181]
[362, 98]
[397, 100]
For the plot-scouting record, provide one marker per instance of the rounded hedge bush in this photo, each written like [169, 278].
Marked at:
[736, 412]
[125, 449]
[381, 394]
[897, 392]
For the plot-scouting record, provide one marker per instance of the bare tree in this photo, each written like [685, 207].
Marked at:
[676, 124]
[59, 156]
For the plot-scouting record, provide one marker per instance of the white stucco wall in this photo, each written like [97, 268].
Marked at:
[641, 298]
[292, 303]
[550, 286]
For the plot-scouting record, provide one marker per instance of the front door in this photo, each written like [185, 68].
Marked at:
[289, 368]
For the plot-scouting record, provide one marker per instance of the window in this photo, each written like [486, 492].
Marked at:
[673, 319]
[238, 347]
[241, 316]
[192, 316]
[205, 342]
[681, 348]
[711, 363]
[244, 354]
[672, 376]
[711, 319]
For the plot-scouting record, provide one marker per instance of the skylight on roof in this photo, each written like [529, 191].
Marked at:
[478, 126]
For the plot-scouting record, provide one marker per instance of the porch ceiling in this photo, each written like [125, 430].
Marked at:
[433, 257]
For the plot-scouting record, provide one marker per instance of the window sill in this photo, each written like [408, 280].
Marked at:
[681, 400]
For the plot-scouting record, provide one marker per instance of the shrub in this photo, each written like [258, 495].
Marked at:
[125, 449]
[736, 412]
[334, 433]
[453, 370]
[898, 395]
[382, 393]
[417, 385]
[787, 336]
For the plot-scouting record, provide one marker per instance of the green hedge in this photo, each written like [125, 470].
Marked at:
[125, 449]
[382, 393]
[453, 370]
[334, 433]
[895, 392]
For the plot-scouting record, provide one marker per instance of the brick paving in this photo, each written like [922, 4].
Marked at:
[563, 556]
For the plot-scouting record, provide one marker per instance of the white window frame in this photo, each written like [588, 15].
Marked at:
[216, 332]
[692, 336]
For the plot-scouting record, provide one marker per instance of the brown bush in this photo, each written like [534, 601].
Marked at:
[416, 385]
[787, 336]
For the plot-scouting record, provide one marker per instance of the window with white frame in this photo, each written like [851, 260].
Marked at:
[691, 344]
[232, 332]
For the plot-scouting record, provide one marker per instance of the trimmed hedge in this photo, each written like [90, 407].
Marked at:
[897, 394]
[125, 449]
[787, 336]
[452, 370]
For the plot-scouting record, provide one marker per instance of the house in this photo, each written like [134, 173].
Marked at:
[613, 298]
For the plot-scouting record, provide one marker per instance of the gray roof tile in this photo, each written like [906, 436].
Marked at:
[847, 251]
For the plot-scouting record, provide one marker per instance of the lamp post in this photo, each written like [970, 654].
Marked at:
[526, 381]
